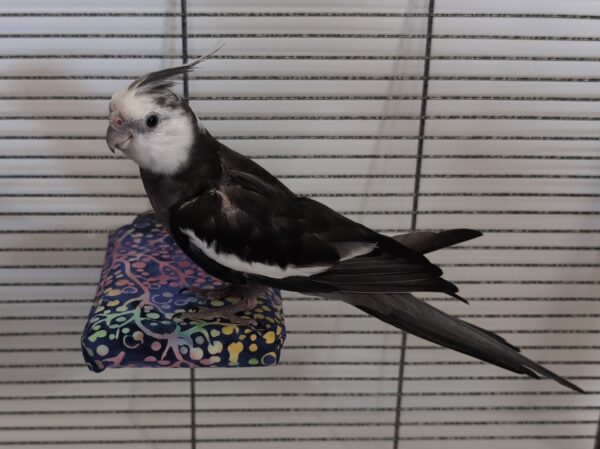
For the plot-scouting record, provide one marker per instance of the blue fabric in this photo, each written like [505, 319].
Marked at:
[134, 322]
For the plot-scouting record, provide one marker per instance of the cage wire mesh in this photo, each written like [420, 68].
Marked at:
[402, 114]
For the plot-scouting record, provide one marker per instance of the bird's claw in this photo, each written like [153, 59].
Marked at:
[228, 312]
[210, 314]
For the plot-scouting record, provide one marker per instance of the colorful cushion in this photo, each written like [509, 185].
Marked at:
[134, 321]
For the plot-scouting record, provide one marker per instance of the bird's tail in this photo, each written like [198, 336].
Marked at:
[425, 242]
[406, 312]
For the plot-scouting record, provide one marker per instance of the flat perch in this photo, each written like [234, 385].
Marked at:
[135, 319]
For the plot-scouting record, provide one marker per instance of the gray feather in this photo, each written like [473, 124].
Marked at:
[162, 80]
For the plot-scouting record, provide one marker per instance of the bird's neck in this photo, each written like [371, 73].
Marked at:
[204, 162]
[202, 171]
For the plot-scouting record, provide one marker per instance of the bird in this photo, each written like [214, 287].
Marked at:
[242, 225]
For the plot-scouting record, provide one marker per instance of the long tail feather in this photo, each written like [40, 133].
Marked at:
[406, 312]
[426, 242]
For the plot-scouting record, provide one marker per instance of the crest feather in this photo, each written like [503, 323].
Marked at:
[162, 80]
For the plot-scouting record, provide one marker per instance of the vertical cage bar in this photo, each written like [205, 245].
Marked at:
[415, 205]
[193, 406]
[186, 96]
[422, 118]
[399, 390]
[184, 47]
[597, 440]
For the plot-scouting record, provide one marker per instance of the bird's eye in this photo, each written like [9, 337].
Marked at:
[152, 120]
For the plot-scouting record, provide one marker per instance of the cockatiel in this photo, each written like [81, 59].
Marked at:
[243, 226]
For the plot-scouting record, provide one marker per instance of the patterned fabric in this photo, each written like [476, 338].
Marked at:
[134, 322]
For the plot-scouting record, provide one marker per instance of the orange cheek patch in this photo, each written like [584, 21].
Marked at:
[117, 122]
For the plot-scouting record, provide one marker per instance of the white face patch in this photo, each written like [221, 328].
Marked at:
[233, 262]
[162, 149]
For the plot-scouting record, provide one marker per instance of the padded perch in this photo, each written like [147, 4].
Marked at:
[135, 319]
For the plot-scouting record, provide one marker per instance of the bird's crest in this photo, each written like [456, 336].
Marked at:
[161, 80]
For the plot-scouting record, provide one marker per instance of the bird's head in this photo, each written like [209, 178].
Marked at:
[152, 125]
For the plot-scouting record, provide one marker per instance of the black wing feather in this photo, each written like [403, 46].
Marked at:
[427, 242]
[254, 220]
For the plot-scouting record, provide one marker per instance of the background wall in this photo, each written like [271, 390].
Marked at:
[328, 95]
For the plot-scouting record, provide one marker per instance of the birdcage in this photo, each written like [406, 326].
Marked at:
[401, 114]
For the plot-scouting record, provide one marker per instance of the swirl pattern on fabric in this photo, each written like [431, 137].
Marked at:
[134, 319]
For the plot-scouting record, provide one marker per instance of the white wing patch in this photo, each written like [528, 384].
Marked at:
[350, 250]
[233, 262]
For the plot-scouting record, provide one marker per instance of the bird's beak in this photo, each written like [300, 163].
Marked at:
[116, 138]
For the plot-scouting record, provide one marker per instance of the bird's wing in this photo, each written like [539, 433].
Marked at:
[233, 161]
[381, 272]
[268, 234]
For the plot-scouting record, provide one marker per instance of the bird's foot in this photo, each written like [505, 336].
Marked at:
[227, 313]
